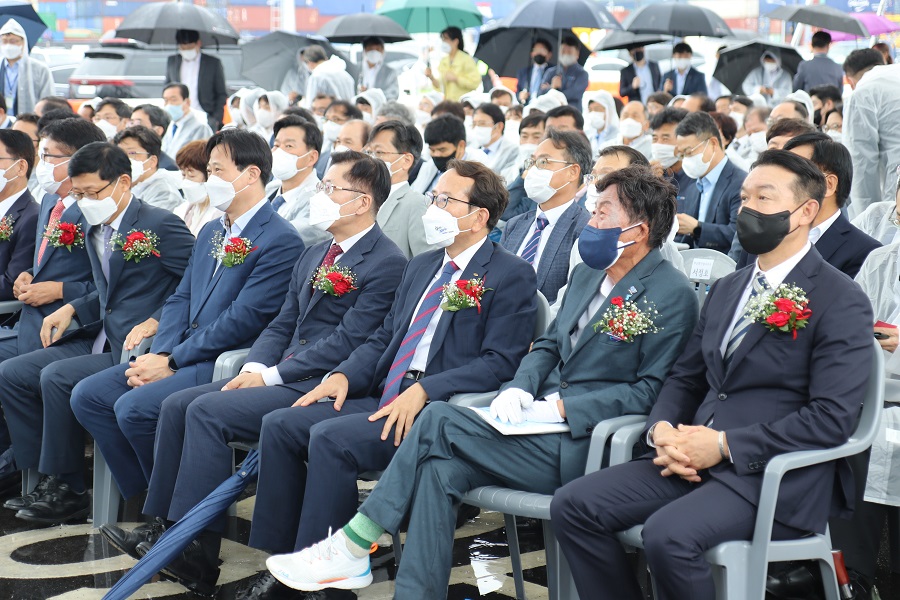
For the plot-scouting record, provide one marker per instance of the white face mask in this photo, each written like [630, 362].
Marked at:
[340, 148]
[682, 64]
[694, 166]
[10, 51]
[108, 129]
[374, 57]
[320, 121]
[323, 212]
[481, 136]
[3, 180]
[137, 169]
[511, 131]
[331, 131]
[441, 228]
[770, 67]
[597, 120]
[221, 193]
[537, 184]
[44, 174]
[664, 154]
[591, 197]
[567, 60]
[837, 136]
[525, 152]
[265, 118]
[445, 47]
[368, 118]
[194, 191]
[189, 54]
[738, 119]
[284, 164]
[97, 212]
[423, 117]
[758, 142]
[237, 119]
[630, 129]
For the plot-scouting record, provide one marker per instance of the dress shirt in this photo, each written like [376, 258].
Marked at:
[534, 84]
[816, 233]
[5, 205]
[709, 182]
[593, 306]
[11, 83]
[370, 74]
[97, 240]
[296, 201]
[190, 75]
[68, 201]
[237, 227]
[552, 215]
[680, 79]
[491, 148]
[646, 77]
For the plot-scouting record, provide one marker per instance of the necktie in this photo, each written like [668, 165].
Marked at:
[55, 215]
[760, 286]
[535, 86]
[414, 334]
[278, 203]
[174, 129]
[531, 248]
[107, 251]
[700, 185]
[332, 254]
[486, 151]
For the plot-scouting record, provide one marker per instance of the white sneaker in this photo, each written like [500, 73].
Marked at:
[325, 564]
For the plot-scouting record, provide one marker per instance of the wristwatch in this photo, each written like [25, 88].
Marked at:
[696, 232]
[172, 366]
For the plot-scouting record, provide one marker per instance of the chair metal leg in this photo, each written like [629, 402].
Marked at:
[30, 478]
[106, 493]
[515, 555]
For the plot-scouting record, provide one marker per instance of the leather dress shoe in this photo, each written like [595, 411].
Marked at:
[191, 569]
[127, 541]
[264, 586]
[58, 505]
[796, 582]
[46, 483]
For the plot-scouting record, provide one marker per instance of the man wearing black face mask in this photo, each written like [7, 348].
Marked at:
[530, 77]
[445, 137]
[742, 392]
[641, 78]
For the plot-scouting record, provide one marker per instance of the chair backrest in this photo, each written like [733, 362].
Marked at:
[142, 348]
[543, 316]
[704, 267]
[9, 307]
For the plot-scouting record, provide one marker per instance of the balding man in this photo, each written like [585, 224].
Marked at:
[353, 136]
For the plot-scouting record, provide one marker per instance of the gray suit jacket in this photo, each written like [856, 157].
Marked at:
[400, 218]
[386, 81]
[504, 156]
[600, 378]
[819, 70]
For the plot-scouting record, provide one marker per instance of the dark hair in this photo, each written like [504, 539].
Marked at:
[837, 109]
[800, 107]
[122, 109]
[182, 89]
[791, 127]
[831, 157]
[454, 33]
[493, 111]
[57, 115]
[724, 97]
[445, 128]
[515, 110]
[193, 156]
[158, 117]
[312, 137]
[542, 42]
[107, 160]
[885, 51]
[532, 120]
[372, 40]
[862, 60]
[571, 41]
[321, 96]
[635, 157]
[19, 146]
[682, 48]
[707, 104]
[742, 100]
[186, 36]
[700, 124]
[821, 39]
[566, 111]
[449, 107]
[28, 118]
[645, 197]
[367, 174]
[488, 190]
[298, 111]
[827, 92]
[575, 147]
[809, 180]
[668, 116]
[57, 102]
[350, 110]
[396, 111]
[72, 133]
[244, 149]
[406, 139]
[314, 54]
[727, 126]
[660, 98]
[148, 139]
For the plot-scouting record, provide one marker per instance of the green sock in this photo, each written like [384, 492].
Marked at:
[363, 531]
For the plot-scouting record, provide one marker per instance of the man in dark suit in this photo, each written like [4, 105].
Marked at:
[223, 302]
[530, 77]
[575, 373]
[840, 244]
[201, 73]
[568, 76]
[739, 395]
[683, 79]
[138, 254]
[18, 210]
[544, 235]
[707, 219]
[641, 78]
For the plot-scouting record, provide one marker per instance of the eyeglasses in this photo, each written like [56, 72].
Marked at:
[131, 154]
[690, 151]
[542, 163]
[380, 154]
[441, 200]
[832, 127]
[328, 188]
[45, 155]
[92, 196]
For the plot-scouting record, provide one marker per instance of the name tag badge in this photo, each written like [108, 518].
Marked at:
[701, 269]
[10, 100]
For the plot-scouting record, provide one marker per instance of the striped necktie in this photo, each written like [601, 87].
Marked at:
[760, 286]
[529, 253]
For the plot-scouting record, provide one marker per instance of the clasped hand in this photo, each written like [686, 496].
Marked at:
[686, 451]
[148, 368]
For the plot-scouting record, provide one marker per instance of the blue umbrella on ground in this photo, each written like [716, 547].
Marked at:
[178, 536]
[24, 13]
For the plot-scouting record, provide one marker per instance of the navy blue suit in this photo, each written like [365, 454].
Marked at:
[16, 252]
[718, 224]
[523, 77]
[214, 309]
[627, 75]
[778, 395]
[35, 387]
[575, 81]
[694, 82]
[312, 334]
[470, 352]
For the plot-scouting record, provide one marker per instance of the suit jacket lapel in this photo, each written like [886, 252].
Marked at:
[523, 231]
[309, 295]
[559, 231]
[117, 258]
[833, 238]
[349, 260]
[718, 192]
[393, 201]
[570, 320]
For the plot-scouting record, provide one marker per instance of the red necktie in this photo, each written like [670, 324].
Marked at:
[332, 254]
[55, 214]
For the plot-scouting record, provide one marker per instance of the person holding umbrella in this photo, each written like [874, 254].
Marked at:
[25, 81]
[530, 77]
[376, 74]
[568, 76]
[641, 78]
[768, 79]
[206, 84]
[683, 79]
[458, 71]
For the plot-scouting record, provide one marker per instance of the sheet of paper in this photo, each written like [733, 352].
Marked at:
[701, 269]
[525, 428]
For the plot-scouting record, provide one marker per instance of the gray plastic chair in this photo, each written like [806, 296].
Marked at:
[8, 307]
[740, 567]
[704, 267]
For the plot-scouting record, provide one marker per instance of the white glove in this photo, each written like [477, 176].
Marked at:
[507, 406]
[544, 411]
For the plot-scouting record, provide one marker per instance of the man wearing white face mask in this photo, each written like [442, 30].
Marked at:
[375, 74]
[18, 211]
[186, 125]
[544, 236]
[633, 125]
[662, 150]
[744, 150]
[25, 81]
[769, 79]
[112, 116]
[530, 132]
[709, 213]
[683, 79]
[601, 119]
[201, 73]
[568, 77]
[489, 126]
[336, 115]
[154, 186]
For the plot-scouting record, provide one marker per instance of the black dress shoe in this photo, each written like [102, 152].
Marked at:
[191, 569]
[127, 541]
[58, 505]
[46, 484]
[795, 582]
[264, 586]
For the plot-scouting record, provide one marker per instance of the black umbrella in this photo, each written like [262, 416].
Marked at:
[677, 19]
[562, 14]
[736, 62]
[157, 22]
[267, 60]
[625, 40]
[506, 50]
[820, 15]
[353, 29]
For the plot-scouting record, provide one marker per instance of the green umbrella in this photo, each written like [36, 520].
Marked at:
[431, 16]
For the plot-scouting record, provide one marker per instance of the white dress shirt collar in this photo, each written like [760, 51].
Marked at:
[553, 214]
[816, 233]
[68, 201]
[777, 274]
[351, 241]
[293, 195]
[5, 205]
[396, 187]
[242, 221]
[463, 259]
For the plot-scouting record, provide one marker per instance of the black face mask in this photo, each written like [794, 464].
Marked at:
[817, 117]
[539, 59]
[441, 162]
[760, 233]
[639, 56]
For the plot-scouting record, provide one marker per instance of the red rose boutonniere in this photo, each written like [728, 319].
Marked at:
[463, 293]
[624, 320]
[6, 228]
[785, 310]
[334, 280]
[233, 251]
[137, 245]
[65, 235]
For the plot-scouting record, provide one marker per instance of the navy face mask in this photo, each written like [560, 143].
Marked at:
[599, 248]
